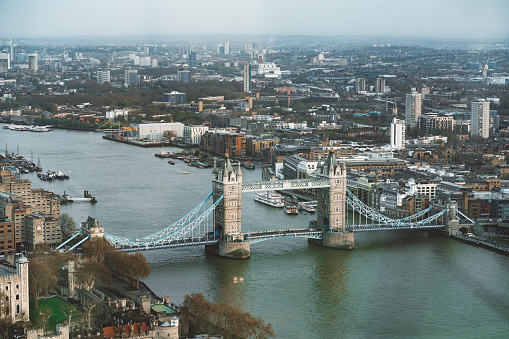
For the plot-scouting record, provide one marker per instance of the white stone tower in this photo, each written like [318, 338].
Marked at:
[331, 205]
[227, 182]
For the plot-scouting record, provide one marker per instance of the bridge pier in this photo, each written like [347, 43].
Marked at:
[230, 249]
[331, 207]
[227, 182]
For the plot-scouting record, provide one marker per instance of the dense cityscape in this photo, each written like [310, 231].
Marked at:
[353, 133]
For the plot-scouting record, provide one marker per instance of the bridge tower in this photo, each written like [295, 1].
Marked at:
[331, 206]
[227, 182]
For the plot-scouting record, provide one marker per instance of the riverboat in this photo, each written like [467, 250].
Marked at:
[249, 165]
[291, 208]
[270, 198]
[306, 208]
[171, 162]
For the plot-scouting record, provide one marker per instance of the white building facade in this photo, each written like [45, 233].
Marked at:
[14, 288]
[413, 102]
[193, 134]
[480, 119]
[156, 131]
[398, 134]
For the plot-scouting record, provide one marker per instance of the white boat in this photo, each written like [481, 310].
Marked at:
[306, 208]
[270, 198]
[291, 208]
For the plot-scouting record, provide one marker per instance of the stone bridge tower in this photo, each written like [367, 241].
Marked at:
[331, 205]
[227, 182]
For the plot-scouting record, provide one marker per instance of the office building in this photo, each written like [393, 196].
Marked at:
[413, 103]
[193, 134]
[157, 131]
[429, 123]
[480, 119]
[32, 62]
[247, 78]
[35, 212]
[380, 85]
[103, 76]
[223, 48]
[360, 85]
[398, 135]
[5, 62]
[184, 76]
[174, 97]
[131, 78]
[223, 142]
[192, 59]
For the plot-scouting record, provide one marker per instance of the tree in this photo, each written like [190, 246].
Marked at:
[98, 248]
[91, 272]
[224, 319]
[68, 225]
[41, 278]
[140, 268]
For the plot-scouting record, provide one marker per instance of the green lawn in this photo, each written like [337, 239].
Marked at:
[55, 306]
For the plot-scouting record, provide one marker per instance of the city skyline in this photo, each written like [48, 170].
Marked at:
[398, 18]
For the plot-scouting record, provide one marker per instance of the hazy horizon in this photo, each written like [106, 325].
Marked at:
[434, 19]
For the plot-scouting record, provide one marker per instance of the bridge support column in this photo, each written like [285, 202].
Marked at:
[231, 249]
[227, 182]
[452, 225]
[331, 206]
[338, 240]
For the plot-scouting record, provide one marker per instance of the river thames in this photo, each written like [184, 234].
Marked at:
[399, 284]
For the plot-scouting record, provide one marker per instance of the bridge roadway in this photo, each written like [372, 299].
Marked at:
[298, 232]
[278, 185]
[254, 237]
[390, 227]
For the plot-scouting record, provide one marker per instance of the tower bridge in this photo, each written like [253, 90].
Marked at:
[224, 235]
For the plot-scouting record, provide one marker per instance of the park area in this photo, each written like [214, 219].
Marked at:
[52, 311]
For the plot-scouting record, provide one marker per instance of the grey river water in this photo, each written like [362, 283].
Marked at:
[400, 284]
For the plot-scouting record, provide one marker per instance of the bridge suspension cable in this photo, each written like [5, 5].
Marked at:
[170, 234]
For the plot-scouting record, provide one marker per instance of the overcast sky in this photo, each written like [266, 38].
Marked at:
[402, 18]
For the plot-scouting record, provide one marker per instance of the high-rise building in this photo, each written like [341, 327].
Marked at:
[103, 76]
[227, 47]
[5, 62]
[32, 62]
[360, 85]
[480, 119]
[247, 78]
[184, 76]
[174, 97]
[398, 135]
[192, 59]
[131, 78]
[380, 85]
[413, 103]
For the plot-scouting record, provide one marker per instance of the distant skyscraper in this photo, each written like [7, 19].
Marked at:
[227, 47]
[5, 62]
[398, 135]
[103, 76]
[480, 119]
[247, 78]
[192, 59]
[184, 76]
[261, 58]
[360, 85]
[380, 85]
[413, 103]
[131, 78]
[32, 62]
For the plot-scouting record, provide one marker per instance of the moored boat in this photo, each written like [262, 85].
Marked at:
[291, 208]
[249, 165]
[270, 198]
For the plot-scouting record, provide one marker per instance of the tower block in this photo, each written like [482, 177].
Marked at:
[331, 206]
[227, 182]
